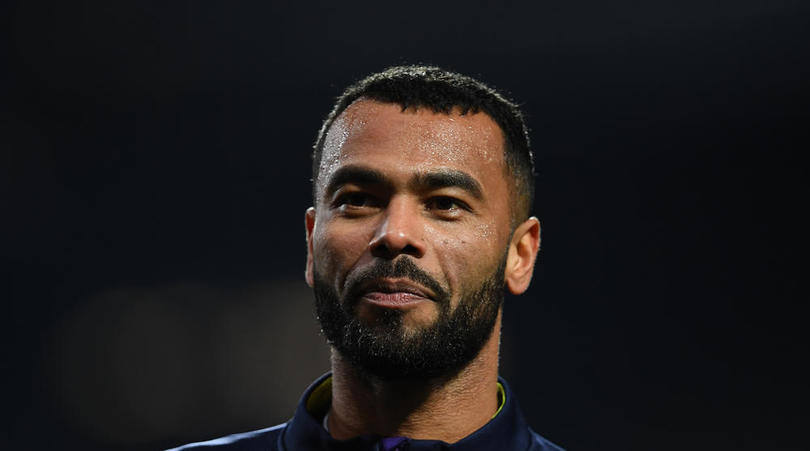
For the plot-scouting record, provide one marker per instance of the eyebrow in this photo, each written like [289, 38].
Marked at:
[354, 174]
[441, 178]
[448, 178]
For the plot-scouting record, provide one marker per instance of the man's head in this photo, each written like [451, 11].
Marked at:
[440, 91]
[420, 221]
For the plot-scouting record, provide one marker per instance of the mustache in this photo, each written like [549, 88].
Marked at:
[402, 268]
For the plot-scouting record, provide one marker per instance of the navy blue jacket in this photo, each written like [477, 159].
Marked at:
[507, 431]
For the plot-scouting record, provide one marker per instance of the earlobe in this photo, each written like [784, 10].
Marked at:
[522, 254]
[309, 224]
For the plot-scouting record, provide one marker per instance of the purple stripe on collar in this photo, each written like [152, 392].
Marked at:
[393, 443]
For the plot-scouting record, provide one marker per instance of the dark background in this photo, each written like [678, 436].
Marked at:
[155, 166]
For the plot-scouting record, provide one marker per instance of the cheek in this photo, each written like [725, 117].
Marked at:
[469, 252]
[337, 249]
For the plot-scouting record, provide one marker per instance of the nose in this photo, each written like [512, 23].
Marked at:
[399, 232]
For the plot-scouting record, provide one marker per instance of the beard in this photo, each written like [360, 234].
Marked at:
[385, 349]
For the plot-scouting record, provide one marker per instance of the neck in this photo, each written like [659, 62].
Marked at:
[446, 408]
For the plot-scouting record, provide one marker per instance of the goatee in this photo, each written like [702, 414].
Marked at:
[385, 349]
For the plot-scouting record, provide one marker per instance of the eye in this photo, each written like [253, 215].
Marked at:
[446, 205]
[354, 201]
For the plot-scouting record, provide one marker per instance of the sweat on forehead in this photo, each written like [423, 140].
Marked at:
[421, 137]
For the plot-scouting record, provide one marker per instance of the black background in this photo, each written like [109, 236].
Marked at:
[155, 172]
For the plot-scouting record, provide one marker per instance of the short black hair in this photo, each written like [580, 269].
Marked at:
[443, 91]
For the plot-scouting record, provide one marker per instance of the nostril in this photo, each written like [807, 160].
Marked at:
[411, 250]
[388, 246]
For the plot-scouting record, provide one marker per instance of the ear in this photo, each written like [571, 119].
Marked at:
[309, 223]
[522, 254]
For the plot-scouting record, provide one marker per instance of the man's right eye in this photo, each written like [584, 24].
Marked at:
[354, 200]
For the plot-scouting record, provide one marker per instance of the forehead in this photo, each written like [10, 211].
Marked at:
[415, 140]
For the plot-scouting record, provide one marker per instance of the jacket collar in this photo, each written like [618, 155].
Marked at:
[506, 431]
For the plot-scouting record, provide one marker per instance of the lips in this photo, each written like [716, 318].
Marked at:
[394, 293]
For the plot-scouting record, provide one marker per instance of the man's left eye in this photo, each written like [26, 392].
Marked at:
[445, 203]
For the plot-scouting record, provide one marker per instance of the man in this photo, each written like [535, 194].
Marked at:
[422, 186]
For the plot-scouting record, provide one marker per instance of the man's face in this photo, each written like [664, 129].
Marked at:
[408, 240]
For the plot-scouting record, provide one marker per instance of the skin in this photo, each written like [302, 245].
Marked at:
[456, 234]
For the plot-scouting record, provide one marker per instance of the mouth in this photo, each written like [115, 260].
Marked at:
[395, 293]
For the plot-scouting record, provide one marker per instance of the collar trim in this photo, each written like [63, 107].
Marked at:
[320, 400]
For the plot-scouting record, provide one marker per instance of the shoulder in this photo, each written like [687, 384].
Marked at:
[262, 439]
[540, 443]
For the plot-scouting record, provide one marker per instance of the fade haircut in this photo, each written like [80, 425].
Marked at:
[442, 91]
